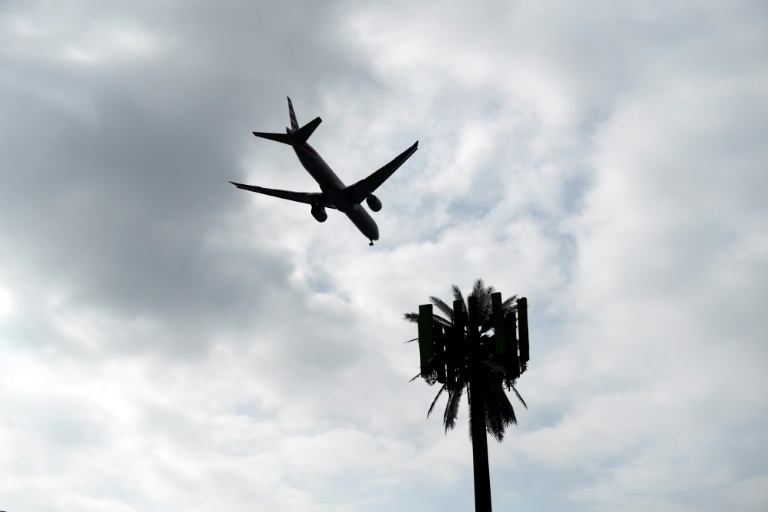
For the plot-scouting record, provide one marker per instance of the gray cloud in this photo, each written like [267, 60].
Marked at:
[167, 341]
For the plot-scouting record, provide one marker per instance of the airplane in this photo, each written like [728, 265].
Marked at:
[334, 194]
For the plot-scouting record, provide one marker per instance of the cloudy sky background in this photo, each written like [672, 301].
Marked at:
[168, 342]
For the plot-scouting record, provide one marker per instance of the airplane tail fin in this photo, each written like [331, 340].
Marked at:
[303, 133]
[294, 122]
[296, 134]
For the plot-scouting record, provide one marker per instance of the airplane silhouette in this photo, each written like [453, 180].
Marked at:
[334, 193]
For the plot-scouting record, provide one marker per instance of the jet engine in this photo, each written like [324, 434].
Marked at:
[373, 203]
[319, 213]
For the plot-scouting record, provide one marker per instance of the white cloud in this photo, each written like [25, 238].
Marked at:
[172, 342]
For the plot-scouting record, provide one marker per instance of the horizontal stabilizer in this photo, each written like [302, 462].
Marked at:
[279, 137]
[303, 133]
[313, 198]
[359, 191]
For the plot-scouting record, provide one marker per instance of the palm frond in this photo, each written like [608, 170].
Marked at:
[458, 296]
[483, 295]
[510, 304]
[452, 407]
[442, 306]
[502, 405]
[490, 289]
[494, 424]
[440, 392]
[499, 413]
[477, 288]
[414, 318]
[484, 301]
[518, 395]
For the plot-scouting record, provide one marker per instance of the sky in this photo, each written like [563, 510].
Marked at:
[169, 342]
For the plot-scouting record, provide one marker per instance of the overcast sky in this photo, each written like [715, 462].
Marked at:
[169, 342]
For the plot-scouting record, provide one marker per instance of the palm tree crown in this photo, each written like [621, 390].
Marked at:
[494, 373]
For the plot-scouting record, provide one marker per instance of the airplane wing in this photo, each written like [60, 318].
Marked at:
[313, 198]
[360, 190]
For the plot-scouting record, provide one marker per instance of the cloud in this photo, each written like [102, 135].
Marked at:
[168, 341]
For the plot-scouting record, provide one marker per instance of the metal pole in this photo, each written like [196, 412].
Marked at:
[477, 411]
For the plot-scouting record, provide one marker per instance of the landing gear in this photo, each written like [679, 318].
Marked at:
[371, 244]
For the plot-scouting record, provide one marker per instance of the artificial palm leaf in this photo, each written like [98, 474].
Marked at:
[442, 306]
[452, 407]
[458, 296]
[414, 317]
[440, 392]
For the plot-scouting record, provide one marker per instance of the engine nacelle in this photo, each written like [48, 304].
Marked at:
[319, 213]
[373, 202]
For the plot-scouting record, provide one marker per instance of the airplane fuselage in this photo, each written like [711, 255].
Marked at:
[333, 189]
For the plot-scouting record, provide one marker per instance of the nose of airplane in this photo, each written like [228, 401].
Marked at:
[364, 222]
[371, 229]
[373, 234]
